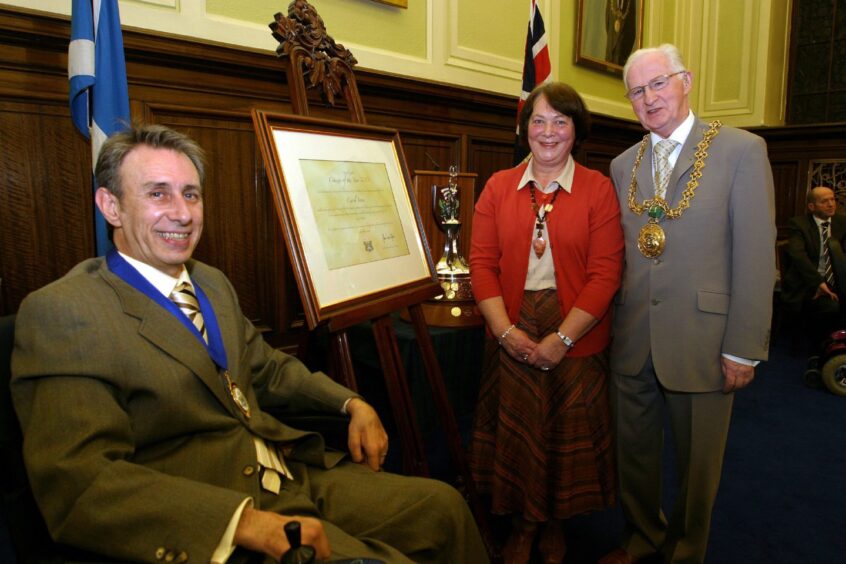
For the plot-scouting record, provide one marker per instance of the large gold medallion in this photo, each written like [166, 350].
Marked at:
[651, 240]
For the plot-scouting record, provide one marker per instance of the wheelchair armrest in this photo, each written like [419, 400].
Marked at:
[332, 427]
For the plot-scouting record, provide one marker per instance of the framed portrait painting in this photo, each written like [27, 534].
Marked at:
[397, 3]
[607, 31]
[343, 196]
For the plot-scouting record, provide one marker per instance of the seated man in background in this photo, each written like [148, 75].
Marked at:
[141, 387]
[811, 288]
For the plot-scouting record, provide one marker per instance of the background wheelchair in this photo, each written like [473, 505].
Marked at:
[829, 368]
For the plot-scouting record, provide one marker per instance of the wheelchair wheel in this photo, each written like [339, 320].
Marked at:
[812, 378]
[834, 374]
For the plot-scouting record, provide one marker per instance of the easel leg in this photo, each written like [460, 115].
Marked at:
[340, 362]
[413, 454]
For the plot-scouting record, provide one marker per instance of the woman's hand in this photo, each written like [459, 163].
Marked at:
[518, 345]
[548, 353]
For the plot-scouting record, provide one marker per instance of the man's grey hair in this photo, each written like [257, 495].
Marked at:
[670, 51]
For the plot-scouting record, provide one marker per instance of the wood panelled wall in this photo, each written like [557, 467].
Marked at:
[207, 91]
[792, 149]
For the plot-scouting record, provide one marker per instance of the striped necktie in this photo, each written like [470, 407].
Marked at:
[183, 296]
[826, 254]
[663, 170]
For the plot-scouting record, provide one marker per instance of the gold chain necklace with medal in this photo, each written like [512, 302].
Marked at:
[651, 240]
[541, 211]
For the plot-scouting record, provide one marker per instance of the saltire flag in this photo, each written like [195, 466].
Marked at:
[536, 69]
[99, 98]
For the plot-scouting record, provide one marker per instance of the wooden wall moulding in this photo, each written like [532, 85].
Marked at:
[830, 173]
[793, 150]
[208, 90]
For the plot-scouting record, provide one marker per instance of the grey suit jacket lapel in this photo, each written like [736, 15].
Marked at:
[645, 179]
[162, 329]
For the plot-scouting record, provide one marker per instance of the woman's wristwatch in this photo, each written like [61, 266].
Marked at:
[568, 342]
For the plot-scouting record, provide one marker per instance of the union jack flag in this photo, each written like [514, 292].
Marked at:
[536, 67]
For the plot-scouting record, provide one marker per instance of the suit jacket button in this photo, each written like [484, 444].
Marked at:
[249, 470]
[169, 556]
[182, 557]
[160, 553]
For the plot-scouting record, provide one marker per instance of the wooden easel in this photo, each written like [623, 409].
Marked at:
[314, 61]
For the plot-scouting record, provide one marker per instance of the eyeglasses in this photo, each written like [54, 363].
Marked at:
[658, 83]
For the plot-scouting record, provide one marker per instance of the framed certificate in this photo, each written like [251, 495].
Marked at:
[343, 196]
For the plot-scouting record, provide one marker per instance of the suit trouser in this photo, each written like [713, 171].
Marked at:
[381, 515]
[699, 424]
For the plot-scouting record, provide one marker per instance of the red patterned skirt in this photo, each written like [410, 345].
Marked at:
[542, 446]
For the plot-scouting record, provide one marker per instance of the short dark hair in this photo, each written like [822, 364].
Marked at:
[120, 144]
[564, 99]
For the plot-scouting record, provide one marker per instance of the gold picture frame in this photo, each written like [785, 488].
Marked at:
[397, 3]
[343, 196]
[607, 32]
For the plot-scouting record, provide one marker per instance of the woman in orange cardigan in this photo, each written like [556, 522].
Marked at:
[545, 261]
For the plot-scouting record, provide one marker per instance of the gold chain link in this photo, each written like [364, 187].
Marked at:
[701, 154]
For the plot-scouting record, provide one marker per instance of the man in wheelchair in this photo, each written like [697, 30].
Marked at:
[142, 391]
[814, 280]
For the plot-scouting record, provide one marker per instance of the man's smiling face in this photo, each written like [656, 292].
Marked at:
[659, 111]
[159, 217]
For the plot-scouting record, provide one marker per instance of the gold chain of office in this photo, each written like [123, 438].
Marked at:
[652, 239]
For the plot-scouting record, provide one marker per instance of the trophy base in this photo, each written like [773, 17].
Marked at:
[455, 307]
[460, 315]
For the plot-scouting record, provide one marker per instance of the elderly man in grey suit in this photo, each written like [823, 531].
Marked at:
[692, 316]
[141, 387]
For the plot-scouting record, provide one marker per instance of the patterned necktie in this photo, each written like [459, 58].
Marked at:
[183, 296]
[826, 255]
[663, 170]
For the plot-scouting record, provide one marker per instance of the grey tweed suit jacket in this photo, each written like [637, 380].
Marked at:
[143, 447]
